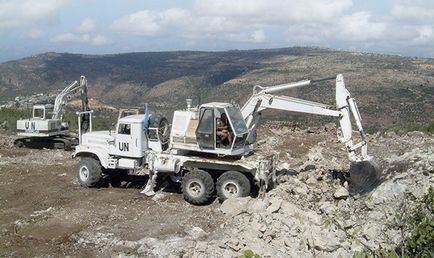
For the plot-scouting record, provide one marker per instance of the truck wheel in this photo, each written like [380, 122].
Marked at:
[89, 172]
[197, 187]
[163, 126]
[116, 177]
[232, 184]
[19, 144]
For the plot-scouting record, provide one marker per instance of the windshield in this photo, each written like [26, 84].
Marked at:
[38, 113]
[237, 121]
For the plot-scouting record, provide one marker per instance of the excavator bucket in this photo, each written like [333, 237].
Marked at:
[364, 176]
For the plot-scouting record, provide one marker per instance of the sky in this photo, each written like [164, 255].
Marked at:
[29, 27]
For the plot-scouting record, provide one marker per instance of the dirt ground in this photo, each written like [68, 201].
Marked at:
[44, 211]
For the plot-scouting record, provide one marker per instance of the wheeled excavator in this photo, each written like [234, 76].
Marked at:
[192, 150]
[46, 128]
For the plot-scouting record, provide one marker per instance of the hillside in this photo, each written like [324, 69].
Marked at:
[391, 91]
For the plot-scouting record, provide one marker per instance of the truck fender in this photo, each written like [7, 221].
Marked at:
[100, 155]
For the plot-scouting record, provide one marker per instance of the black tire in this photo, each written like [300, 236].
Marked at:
[232, 184]
[89, 172]
[163, 126]
[197, 187]
[19, 144]
[116, 177]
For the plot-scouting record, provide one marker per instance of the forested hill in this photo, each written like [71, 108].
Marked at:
[391, 91]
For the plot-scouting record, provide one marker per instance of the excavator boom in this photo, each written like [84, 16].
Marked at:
[66, 94]
[345, 111]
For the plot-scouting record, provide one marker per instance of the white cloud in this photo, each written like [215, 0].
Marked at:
[272, 22]
[82, 35]
[100, 40]
[424, 36]
[272, 11]
[70, 38]
[360, 27]
[411, 13]
[97, 40]
[21, 13]
[257, 36]
[150, 23]
[357, 28]
[173, 21]
[308, 33]
[237, 21]
[87, 26]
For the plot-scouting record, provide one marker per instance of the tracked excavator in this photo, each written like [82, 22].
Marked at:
[46, 129]
[208, 148]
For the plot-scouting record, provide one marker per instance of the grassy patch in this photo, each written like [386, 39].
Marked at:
[9, 117]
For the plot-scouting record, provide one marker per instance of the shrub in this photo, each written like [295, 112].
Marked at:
[420, 243]
[419, 225]
[9, 117]
[249, 254]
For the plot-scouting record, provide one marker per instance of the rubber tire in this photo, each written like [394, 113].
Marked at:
[238, 180]
[116, 177]
[204, 181]
[163, 126]
[19, 144]
[94, 172]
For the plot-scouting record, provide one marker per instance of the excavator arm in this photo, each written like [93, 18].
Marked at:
[67, 93]
[345, 111]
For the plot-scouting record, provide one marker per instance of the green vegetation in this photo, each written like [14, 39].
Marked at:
[98, 122]
[420, 243]
[421, 127]
[379, 253]
[9, 117]
[419, 223]
[392, 92]
[249, 254]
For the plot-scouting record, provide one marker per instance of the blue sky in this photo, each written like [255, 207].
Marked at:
[29, 27]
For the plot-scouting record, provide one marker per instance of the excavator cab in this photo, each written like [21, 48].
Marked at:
[221, 127]
[39, 112]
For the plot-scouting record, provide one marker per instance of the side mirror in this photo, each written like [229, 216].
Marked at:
[112, 127]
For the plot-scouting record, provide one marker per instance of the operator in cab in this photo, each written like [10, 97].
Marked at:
[223, 130]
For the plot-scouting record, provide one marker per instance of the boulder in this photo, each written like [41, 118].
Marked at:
[300, 190]
[196, 233]
[256, 206]
[235, 206]
[326, 207]
[308, 167]
[275, 205]
[234, 244]
[341, 193]
[324, 242]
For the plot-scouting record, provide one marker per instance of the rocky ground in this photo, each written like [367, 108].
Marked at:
[45, 213]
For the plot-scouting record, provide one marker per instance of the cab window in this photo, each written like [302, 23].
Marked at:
[206, 124]
[38, 113]
[124, 129]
